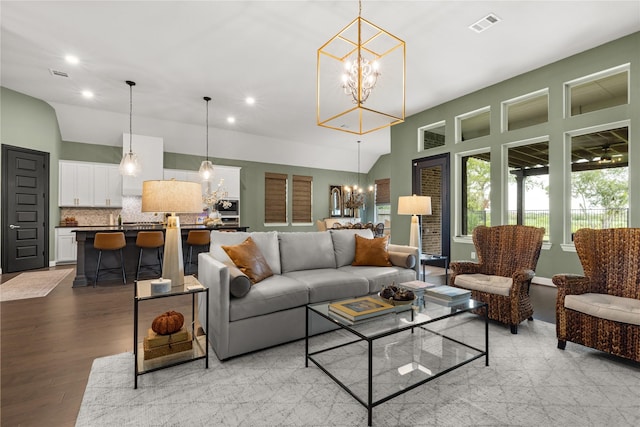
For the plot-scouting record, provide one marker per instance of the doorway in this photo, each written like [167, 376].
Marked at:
[25, 209]
[431, 178]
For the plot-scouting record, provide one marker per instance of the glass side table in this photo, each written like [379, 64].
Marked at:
[200, 347]
[437, 261]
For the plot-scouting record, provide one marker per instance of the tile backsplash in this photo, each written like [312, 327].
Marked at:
[131, 212]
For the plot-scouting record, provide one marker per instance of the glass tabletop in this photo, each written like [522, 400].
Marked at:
[404, 317]
[144, 291]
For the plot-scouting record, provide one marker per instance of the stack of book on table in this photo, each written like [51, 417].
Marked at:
[357, 309]
[447, 295]
[418, 287]
[156, 345]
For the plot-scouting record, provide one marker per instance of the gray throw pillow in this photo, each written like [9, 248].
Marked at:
[239, 283]
[400, 259]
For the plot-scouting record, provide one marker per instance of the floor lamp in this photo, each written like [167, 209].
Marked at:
[172, 196]
[414, 206]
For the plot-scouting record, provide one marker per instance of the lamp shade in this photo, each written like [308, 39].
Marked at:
[171, 196]
[414, 205]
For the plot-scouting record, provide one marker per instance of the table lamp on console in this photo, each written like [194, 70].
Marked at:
[414, 206]
[172, 196]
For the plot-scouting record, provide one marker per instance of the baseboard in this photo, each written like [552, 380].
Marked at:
[544, 281]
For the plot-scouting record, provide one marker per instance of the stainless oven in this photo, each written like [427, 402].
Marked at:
[230, 215]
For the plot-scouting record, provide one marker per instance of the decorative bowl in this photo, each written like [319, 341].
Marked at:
[395, 302]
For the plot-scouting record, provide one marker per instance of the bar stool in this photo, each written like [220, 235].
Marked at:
[109, 242]
[196, 238]
[149, 240]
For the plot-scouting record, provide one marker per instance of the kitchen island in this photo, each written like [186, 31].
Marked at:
[88, 255]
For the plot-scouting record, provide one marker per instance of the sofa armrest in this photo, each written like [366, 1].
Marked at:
[214, 275]
[411, 250]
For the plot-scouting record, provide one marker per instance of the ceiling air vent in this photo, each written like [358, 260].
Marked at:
[56, 73]
[484, 23]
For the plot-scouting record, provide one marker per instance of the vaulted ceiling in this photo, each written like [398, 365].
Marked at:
[177, 52]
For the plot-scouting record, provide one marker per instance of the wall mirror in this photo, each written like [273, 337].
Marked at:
[335, 201]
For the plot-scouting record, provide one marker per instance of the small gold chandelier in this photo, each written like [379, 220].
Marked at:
[357, 54]
[354, 195]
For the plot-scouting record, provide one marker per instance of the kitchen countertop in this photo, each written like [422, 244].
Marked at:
[133, 227]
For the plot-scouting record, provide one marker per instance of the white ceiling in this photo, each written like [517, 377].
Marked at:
[179, 51]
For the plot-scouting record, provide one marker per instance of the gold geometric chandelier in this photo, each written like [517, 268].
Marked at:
[361, 79]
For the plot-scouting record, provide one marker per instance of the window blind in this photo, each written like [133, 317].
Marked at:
[383, 191]
[301, 210]
[275, 197]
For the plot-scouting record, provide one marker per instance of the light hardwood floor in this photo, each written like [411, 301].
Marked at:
[48, 345]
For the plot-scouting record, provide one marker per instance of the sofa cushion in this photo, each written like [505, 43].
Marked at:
[344, 244]
[267, 242]
[485, 283]
[239, 283]
[248, 258]
[605, 306]
[306, 251]
[330, 284]
[273, 294]
[372, 251]
[380, 276]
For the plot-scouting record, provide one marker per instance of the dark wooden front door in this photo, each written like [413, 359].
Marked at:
[25, 209]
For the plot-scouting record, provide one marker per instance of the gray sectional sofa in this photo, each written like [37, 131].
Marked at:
[308, 267]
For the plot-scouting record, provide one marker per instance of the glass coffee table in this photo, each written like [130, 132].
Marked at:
[375, 360]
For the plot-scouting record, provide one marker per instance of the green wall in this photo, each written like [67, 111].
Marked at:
[31, 123]
[251, 180]
[554, 259]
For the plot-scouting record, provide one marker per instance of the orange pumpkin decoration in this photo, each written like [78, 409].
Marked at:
[167, 323]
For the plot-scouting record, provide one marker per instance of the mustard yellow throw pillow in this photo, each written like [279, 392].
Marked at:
[372, 251]
[248, 258]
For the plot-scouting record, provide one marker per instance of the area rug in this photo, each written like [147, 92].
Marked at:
[33, 284]
[529, 382]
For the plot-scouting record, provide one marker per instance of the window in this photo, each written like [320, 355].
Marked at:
[275, 198]
[524, 111]
[528, 184]
[431, 136]
[473, 125]
[383, 200]
[476, 191]
[598, 91]
[302, 196]
[600, 179]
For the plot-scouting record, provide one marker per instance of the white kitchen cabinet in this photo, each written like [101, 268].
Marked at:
[231, 176]
[66, 246]
[177, 174]
[75, 183]
[107, 186]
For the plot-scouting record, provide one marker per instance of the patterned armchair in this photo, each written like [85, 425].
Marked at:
[601, 309]
[507, 259]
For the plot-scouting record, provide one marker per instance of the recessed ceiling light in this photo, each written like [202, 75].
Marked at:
[231, 119]
[87, 94]
[250, 100]
[71, 59]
